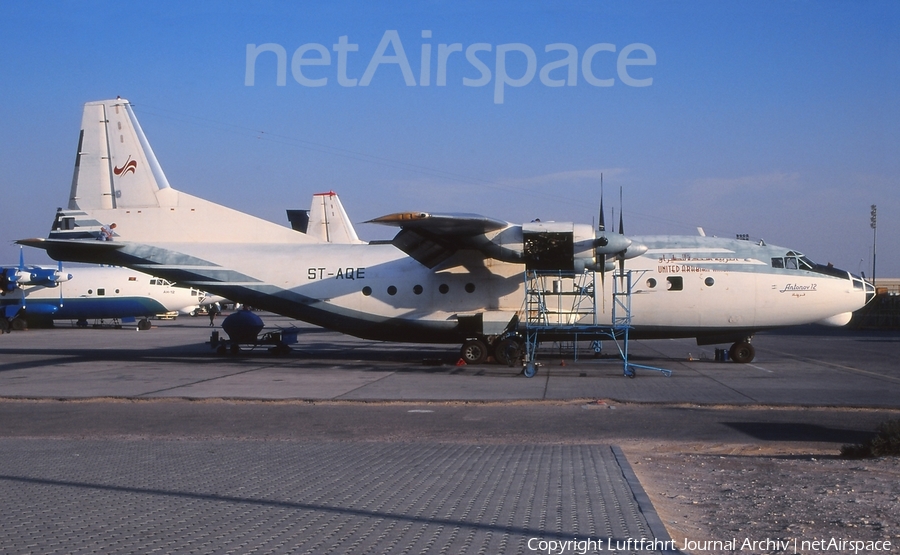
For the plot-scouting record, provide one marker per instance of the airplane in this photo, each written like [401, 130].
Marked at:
[444, 278]
[38, 295]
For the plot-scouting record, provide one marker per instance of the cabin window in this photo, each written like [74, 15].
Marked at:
[101, 291]
[778, 262]
[444, 289]
[651, 283]
[117, 291]
[675, 283]
[90, 291]
[418, 289]
[392, 290]
[470, 288]
[709, 282]
[367, 290]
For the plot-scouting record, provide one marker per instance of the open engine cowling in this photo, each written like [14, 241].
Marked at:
[569, 247]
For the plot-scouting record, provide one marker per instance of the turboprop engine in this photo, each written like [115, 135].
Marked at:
[12, 278]
[573, 247]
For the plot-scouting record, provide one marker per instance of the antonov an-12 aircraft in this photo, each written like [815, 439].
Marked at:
[36, 295]
[444, 278]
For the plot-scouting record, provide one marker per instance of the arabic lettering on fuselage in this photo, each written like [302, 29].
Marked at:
[708, 259]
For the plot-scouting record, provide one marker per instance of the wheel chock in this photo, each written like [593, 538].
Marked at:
[461, 362]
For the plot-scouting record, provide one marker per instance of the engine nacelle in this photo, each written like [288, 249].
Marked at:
[13, 278]
[567, 247]
[44, 276]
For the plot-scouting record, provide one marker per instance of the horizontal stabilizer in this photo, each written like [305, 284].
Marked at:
[95, 252]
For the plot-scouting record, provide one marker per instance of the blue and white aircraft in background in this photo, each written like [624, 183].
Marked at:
[444, 278]
[38, 295]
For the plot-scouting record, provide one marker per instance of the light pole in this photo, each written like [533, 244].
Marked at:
[874, 236]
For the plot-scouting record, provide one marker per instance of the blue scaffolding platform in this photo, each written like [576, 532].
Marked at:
[558, 311]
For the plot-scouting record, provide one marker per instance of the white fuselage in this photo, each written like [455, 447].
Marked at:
[105, 292]
[683, 286]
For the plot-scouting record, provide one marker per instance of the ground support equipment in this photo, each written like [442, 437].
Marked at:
[554, 313]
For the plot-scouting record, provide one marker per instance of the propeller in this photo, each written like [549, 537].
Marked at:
[14, 278]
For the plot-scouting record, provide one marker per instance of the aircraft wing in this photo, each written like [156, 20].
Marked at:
[87, 250]
[433, 238]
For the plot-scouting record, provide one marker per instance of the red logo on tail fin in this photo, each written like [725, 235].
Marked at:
[130, 166]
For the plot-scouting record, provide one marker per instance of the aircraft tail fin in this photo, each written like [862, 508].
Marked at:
[115, 166]
[329, 222]
[120, 193]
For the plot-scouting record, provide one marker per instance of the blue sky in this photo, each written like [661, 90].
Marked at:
[775, 119]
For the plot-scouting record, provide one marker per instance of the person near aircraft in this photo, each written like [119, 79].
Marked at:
[213, 310]
[106, 232]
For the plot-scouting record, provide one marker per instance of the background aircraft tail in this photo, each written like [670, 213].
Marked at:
[328, 221]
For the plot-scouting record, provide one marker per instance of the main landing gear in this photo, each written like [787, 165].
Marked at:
[507, 350]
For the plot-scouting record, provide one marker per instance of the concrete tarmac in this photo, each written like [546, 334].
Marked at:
[117, 441]
[808, 366]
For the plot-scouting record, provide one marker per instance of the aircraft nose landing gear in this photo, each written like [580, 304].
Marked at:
[742, 351]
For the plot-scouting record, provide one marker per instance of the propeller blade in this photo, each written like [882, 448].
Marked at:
[60, 278]
[602, 223]
[621, 210]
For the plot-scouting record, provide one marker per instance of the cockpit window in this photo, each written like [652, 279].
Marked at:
[792, 262]
[796, 261]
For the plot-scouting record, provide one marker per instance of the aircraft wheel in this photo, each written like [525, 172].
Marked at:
[4, 325]
[19, 324]
[474, 351]
[742, 352]
[530, 370]
[508, 351]
[144, 324]
[235, 348]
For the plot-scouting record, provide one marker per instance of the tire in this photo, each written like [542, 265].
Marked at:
[19, 324]
[742, 352]
[144, 324]
[474, 351]
[508, 351]
[530, 370]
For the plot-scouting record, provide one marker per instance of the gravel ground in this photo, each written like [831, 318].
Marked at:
[711, 495]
